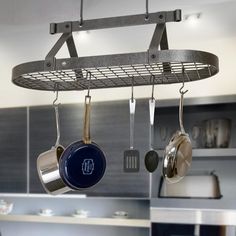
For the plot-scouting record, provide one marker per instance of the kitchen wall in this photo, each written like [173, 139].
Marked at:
[24, 37]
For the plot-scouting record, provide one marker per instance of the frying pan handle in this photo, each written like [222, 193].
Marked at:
[181, 113]
[86, 132]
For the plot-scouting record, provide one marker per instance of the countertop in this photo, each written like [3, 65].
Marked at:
[199, 211]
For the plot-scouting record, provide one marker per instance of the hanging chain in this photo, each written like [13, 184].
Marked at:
[81, 13]
[147, 11]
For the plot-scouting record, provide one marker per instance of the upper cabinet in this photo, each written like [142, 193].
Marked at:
[13, 150]
[211, 124]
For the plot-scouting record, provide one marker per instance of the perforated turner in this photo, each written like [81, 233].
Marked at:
[131, 156]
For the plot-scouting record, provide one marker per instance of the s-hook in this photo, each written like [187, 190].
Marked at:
[132, 90]
[152, 80]
[181, 88]
[54, 101]
[88, 77]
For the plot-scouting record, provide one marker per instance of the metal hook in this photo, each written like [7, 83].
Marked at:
[152, 80]
[181, 88]
[88, 74]
[132, 90]
[56, 90]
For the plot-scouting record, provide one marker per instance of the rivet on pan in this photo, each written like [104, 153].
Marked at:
[48, 64]
[153, 56]
[64, 63]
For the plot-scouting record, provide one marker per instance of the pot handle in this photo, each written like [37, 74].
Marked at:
[86, 132]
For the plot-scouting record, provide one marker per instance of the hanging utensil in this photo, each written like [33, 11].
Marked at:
[131, 156]
[151, 159]
[83, 163]
[178, 153]
[48, 162]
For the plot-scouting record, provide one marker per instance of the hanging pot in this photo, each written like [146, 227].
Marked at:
[178, 153]
[48, 165]
[83, 163]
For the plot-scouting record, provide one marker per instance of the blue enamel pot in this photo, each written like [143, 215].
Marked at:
[83, 163]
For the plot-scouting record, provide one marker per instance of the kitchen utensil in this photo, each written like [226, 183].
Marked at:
[48, 163]
[216, 133]
[83, 163]
[131, 156]
[178, 153]
[5, 207]
[151, 158]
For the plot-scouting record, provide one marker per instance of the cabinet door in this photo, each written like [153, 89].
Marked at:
[13, 150]
[109, 129]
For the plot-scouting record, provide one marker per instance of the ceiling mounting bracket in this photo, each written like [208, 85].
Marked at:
[114, 22]
[67, 26]
[117, 70]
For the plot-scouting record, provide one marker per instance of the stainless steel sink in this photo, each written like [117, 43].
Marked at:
[197, 184]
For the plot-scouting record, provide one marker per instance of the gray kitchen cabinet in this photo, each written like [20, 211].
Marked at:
[166, 122]
[13, 150]
[109, 129]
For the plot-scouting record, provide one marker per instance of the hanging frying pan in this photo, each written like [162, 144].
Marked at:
[178, 153]
[83, 163]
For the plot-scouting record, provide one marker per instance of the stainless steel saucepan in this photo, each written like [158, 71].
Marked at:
[48, 164]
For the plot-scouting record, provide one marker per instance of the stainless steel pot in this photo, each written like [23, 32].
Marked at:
[48, 165]
[216, 133]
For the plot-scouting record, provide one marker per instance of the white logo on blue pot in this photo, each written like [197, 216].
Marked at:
[87, 166]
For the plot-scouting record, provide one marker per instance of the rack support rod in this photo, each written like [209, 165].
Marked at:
[114, 22]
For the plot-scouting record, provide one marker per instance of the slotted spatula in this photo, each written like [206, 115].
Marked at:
[131, 156]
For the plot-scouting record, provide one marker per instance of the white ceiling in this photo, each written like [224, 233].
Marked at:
[25, 12]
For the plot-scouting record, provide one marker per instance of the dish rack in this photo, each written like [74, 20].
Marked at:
[119, 70]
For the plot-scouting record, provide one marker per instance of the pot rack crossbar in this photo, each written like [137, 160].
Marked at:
[118, 70]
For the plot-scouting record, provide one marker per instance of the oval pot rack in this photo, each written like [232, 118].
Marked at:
[117, 70]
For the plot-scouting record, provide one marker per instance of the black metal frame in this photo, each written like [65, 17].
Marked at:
[119, 69]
